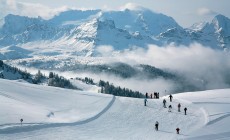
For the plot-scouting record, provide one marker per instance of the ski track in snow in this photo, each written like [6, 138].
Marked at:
[210, 103]
[37, 126]
[218, 119]
[218, 136]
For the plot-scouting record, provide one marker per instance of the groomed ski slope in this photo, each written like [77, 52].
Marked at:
[85, 115]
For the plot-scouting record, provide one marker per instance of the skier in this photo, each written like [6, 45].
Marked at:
[185, 110]
[21, 120]
[156, 125]
[145, 101]
[146, 95]
[151, 95]
[164, 103]
[170, 108]
[155, 95]
[158, 96]
[179, 107]
[177, 130]
[170, 97]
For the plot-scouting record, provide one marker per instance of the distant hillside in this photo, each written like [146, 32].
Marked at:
[13, 73]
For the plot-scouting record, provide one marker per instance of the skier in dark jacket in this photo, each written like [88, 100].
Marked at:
[155, 95]
[21, 120]
[156, 125]
[164, 103]
[145, 101]
[177, 130]
[170, 108]
[185, 111]
[146, 95]
[170, 97]
[179, 107]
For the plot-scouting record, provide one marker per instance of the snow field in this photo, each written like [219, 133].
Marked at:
[216, 104]
[83, 115]
[43, 104]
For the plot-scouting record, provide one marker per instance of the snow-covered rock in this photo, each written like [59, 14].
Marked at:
[215, 34]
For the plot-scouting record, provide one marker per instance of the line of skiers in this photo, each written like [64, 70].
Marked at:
[170, 109]
[170, 106]
[155, 95]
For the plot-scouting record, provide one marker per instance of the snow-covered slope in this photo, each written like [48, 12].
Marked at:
[43, 105]
[53, 113]
[216, 104]
[74, 17]
[143, 20]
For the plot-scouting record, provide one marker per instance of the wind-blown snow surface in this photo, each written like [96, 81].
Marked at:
[90, 115]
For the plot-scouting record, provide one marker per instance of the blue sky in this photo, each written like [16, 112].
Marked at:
[185, 12]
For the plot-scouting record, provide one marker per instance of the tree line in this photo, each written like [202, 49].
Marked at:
[108, 88]
[53, 79]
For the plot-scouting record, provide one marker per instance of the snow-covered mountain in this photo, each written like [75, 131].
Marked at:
[143, 20]
[77, 32]
[215, 34]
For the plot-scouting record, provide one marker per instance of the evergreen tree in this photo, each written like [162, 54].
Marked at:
[1, 63]
[38, 77]
[1, 75]
[51, 75]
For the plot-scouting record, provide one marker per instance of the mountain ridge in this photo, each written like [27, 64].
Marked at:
[84, 31]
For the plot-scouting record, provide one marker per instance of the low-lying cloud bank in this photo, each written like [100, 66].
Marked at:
[202, 66]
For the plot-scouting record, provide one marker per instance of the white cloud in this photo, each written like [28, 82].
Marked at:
[105, 50]
[205, 12]
[203, 67]
[27, 9]
[132, 6]
[11, 3]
